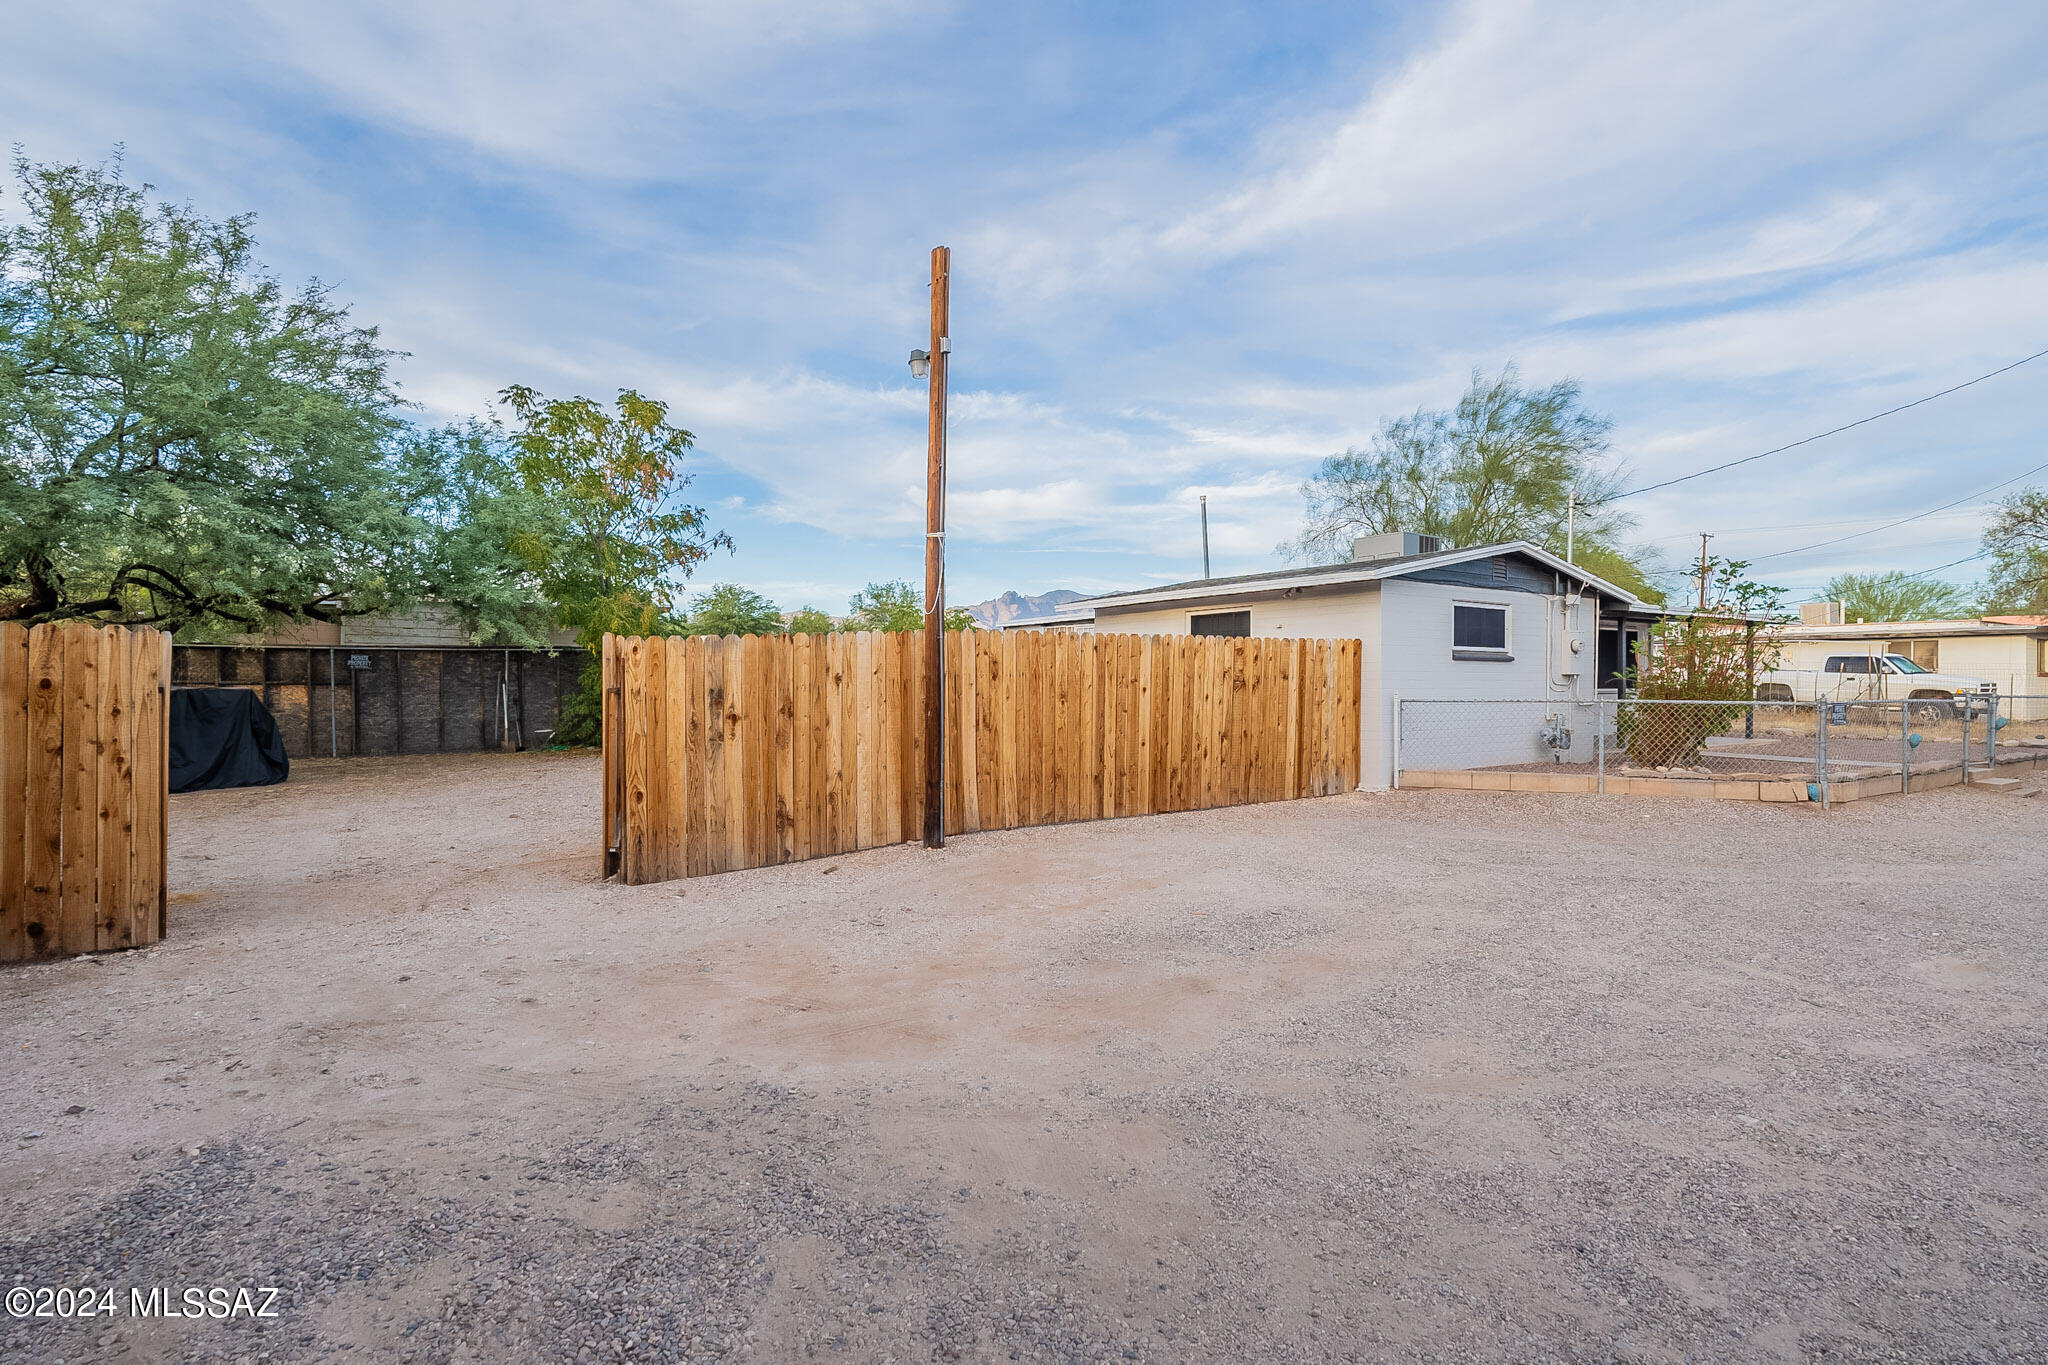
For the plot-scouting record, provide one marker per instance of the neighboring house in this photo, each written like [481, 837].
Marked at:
[2011, 651]
[1073, 617]
[1494, 622]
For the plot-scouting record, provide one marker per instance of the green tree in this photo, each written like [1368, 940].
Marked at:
[479, 534]
[613, 478]
[896, 605]
[811, 621]
[2017, 543]
[728, 609]
[181, 441]
[1502, 465]
[1896, 596]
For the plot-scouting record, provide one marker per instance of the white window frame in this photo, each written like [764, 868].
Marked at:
[1484, 653]
[1250, 626]
[1934, 643]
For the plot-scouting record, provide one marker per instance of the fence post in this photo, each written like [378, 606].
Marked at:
[1905, 747]
[1991, 733]
[1749, 676]
[1820, 747]
[1969, 711]
[1599, 747]
[1397, 741]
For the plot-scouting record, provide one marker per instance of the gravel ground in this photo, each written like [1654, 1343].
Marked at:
[1416, 1076]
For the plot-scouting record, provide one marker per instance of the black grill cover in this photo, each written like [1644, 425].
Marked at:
[223, 737]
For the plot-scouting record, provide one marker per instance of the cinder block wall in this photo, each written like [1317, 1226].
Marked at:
[395, 701]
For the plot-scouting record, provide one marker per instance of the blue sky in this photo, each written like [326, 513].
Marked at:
[1196, 248]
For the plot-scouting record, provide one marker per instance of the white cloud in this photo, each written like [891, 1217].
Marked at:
[1527, 117]
[1736, 223]
[602, 86]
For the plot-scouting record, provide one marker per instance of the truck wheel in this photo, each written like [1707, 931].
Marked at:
[1932, 712]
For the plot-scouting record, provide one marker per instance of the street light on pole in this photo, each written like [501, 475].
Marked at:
[932, 363]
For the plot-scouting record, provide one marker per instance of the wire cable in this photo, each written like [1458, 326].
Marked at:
[1833, 431]
[1917, 516]
[1966, 559]
[1788, 526]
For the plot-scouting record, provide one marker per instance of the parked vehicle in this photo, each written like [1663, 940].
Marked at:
[1877, 677]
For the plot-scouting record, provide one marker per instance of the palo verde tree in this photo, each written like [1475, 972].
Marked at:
[1503, 464]
[181, 440]
[1896, 596]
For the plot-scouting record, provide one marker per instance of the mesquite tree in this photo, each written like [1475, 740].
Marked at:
[184, 443]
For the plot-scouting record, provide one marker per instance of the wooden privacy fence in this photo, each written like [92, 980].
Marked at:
[84, 785]
[751, 750]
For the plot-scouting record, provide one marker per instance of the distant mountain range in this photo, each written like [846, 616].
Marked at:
[1015, 606]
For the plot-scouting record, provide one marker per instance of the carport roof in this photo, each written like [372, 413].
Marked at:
[1905, 630]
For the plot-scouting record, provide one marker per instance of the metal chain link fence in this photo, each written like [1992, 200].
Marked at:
[1819, 742]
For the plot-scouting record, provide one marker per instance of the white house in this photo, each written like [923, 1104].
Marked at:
[1494, 622]
[2011, 651]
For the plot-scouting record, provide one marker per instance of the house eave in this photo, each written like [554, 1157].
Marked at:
[1911, 630]
[1245, 586]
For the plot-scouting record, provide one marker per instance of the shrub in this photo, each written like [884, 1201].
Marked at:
[1711, 656]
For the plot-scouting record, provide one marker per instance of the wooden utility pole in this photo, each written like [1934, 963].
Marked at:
[1704, 538]
[935, 559]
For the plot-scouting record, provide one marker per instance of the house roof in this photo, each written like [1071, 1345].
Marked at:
[1901, 630]
[1068, 615]
[1353, 571]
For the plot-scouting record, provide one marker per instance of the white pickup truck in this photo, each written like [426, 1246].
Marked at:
[1873, 677]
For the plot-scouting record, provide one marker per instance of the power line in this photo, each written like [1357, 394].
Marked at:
[1789, 526]
[1813, 594]
[1917, 516]
[1966, 559]
[1834, 431]
[1917, 573]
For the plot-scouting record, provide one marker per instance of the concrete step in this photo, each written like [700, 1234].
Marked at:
[1996, 784]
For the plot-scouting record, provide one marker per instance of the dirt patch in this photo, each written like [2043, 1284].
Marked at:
[1417, 1075]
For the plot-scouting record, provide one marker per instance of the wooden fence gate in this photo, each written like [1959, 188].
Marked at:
[84, 785]
[744, 751]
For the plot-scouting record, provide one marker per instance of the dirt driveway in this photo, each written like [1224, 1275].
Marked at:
[1428, 1075]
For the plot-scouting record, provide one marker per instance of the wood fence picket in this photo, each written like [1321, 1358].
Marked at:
[750, 751]
[84, 788]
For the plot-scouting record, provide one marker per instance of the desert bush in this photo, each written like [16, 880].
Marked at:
[1713, 655]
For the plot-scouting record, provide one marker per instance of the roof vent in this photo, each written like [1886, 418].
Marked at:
[1393, 545]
